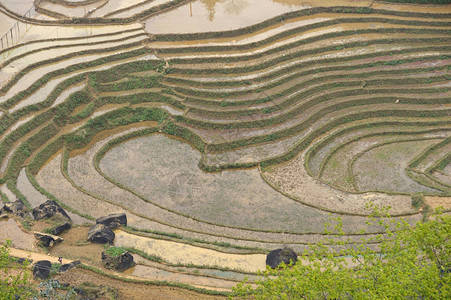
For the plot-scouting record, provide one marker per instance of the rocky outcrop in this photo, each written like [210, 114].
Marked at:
[100, 234]
[113, 221]
[17, 208]
[47, 240]
[60, 228]
[119, 263]
[41, 269]
[50, 209]
[276, 257]
[67, 267]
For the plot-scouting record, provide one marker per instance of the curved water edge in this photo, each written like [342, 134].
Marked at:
[164, 170]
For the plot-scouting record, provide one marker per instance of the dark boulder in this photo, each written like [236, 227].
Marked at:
[50, 209]
[41, 269]
[113, 221]
[17, 208]
[100, 234]
[47, 240]
[67, 267]
[276, 257]
[60, 228]
[119, 263]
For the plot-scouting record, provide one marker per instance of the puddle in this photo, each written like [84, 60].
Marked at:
[178, 253]
[10, 230]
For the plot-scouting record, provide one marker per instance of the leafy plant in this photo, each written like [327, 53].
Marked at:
[411, 262]
[115, 251]
[49, 290]
[417, 201]
[55, 269]
[14, 277]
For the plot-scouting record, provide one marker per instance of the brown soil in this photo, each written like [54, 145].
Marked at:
[76, 247]
[126, 290]
[436, 202]
[41, 225]
[130, 290]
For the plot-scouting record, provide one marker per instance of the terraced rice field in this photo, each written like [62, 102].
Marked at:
[222, 145]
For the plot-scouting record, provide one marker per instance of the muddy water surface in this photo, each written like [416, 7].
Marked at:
[165, 172]
[5, 24]
[207, 15]
[18, 6]
[219, 15]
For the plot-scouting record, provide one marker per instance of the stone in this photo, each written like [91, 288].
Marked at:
[119, 263]
[100, 234]
[276, 257]
[17, 208]
[50, 209]
[47, 240]
[41, 269]
[67, 267]
[60, 228]
[113, 221]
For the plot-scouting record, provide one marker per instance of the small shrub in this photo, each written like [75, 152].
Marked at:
[55, 269]
[115, 251]
[417, 201]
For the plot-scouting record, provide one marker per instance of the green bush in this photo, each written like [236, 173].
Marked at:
[14, 278]
[417, 201]
[412, 262]
[114, 251]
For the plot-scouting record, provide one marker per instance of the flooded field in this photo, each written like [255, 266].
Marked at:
[223, 129]
[172, 179]
[177, 253]
[11, 230]
[392, 159]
